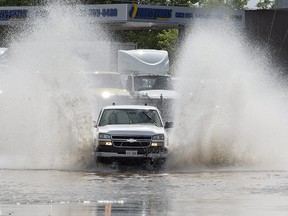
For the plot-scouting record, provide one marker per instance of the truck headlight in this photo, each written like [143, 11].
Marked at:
[107, 143]
[156, 144]
[104, 136]
[158, 137]
[157, 140]
[106, 95]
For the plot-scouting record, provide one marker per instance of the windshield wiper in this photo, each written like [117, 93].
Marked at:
[153, 121]
[130, 119]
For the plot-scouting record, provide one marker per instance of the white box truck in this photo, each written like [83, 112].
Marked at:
[147, 79]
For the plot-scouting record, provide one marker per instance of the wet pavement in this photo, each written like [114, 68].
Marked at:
[114, 192]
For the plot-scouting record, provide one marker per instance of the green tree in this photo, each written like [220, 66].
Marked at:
[22, 2]
[266, 4]
[237, 4]
[212, 3]
[43, 2]
[151, 39]
[232, 4]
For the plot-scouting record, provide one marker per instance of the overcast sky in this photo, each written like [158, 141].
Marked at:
[252, 3]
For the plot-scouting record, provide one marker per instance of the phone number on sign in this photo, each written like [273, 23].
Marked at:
[113, 12]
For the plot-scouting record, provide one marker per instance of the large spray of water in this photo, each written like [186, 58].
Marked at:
[232, 109]
[45, 115]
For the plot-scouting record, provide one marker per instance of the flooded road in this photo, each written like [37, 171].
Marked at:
[203, 192]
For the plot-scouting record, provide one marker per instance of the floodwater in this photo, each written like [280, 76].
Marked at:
[203, 192]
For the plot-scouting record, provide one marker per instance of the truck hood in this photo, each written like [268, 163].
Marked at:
[156, 94]
[131, 129]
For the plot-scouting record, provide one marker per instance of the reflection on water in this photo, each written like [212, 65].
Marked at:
[210, 192]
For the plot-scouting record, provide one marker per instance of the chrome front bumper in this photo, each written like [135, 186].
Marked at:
[116, 155]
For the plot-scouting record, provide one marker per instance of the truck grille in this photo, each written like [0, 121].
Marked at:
[131, 141]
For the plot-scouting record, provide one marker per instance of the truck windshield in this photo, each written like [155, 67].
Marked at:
[130, 116]
[152, 83]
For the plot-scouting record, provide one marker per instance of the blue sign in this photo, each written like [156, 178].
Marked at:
[150, 13]
[110, 12]
[183, 15]
[125, 13]
[7, 15]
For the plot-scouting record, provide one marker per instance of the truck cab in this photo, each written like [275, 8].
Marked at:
[137, 83]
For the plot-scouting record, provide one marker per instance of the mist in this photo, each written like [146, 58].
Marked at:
[232, 109]
[46, 117]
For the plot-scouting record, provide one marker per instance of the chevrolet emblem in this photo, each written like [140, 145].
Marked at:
[131, 140]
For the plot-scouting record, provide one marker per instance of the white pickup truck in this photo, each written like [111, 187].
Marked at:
[130, 134]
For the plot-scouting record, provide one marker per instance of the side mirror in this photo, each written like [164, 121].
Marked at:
[95, 124]
[129, 84]
[168, 125]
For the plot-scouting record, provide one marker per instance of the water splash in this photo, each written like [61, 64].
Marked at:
[45, 115]
[233, 105]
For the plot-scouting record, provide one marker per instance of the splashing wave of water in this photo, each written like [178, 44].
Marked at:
[45, 115]
[232, 111]
[233, 108]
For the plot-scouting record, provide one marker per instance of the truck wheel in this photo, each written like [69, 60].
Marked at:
[155, 164]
